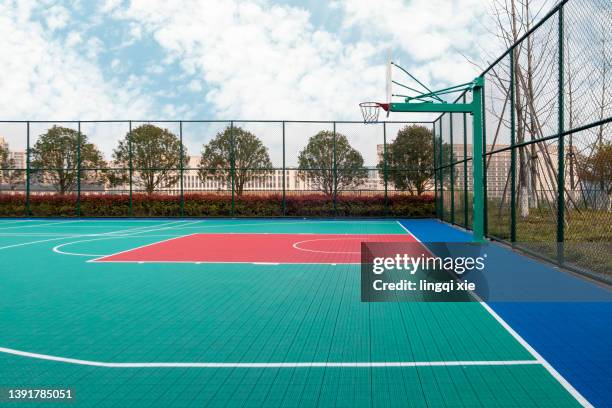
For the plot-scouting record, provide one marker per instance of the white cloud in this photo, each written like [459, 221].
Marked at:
[108, 6]
[135, 31]
[425, 29]
[47, 78]
[249, 59]
[261, 60]
[94, 47]
[56, 17]
[195, 86]
[174, 111]
[73, 38]
[154, 69]
[134, 34]
[436, 35]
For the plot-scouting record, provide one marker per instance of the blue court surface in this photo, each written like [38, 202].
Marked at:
[574, 337]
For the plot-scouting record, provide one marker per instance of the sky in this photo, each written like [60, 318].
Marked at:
[226, 59]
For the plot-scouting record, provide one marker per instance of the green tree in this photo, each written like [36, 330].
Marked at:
[155, 157]
[8, 173]
[597, 168]
[316, 163]
[54, 159]
[410, 159]
[448, 157]
[250, 158]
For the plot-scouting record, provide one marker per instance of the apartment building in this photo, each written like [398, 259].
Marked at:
[498, 167]
[18, 157]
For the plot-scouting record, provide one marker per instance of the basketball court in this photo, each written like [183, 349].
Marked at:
[223, 262]
[244, 313]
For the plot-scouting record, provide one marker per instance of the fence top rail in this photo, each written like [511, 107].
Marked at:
[543, 20]
[552, 137]
[534, 141]
[214, 121]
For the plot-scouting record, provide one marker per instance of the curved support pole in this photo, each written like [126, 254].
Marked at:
[475, 109]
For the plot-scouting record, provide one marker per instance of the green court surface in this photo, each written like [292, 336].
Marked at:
[228, 334]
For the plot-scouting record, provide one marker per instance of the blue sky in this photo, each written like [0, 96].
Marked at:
[256, 59]
[226, 59]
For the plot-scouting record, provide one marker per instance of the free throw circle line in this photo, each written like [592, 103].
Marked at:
[296, 246]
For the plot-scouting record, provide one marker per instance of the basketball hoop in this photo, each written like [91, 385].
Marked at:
[371, 110]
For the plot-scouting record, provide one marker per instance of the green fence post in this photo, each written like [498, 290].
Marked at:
[182, 169]
[441, 148]
[512, 153]
[561, 150]
[284, 175]
[465, 171]
[485, 201]
[452, 169]
[435, 170]
[131, 169]
[385, 168]
[27, 203]
[477, 158]
[232, 166]
[78, 199]
[335, 170]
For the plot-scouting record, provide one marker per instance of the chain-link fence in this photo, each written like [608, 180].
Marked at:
[548, 142]
[547, 154]
[209, 168]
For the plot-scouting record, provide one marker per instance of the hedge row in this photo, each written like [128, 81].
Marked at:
[212, 205]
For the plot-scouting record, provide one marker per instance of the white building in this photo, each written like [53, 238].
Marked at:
[18, 157]
[268, 181]
[498, 166]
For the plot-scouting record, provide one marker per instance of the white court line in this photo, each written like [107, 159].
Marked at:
[11, 222]
[38, 234]
[85, 235]
[326, 364]
[138, 247]
[556, 375]
[101, 257]
[31, 242]
[399, 234]
[57, 248]
[408, 231]
[60, 223]
[40, 225]
[568, 387]
[144, 229]
[302, 222]
[222, 262]
[296, 245]
[207, 221]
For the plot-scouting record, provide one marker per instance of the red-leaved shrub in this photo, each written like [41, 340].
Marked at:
[217, 205]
